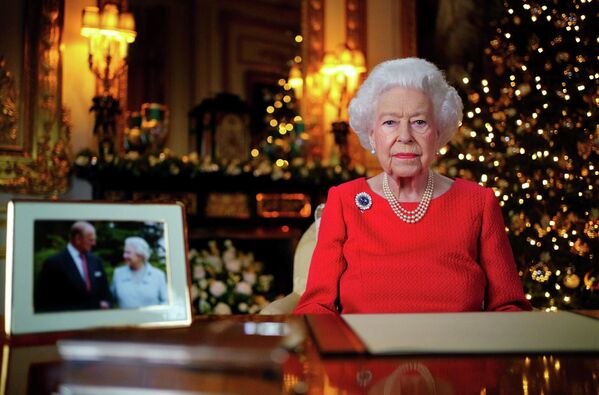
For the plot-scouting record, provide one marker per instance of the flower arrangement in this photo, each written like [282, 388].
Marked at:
[230, 282]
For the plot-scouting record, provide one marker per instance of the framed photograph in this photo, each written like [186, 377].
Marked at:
[80, 265]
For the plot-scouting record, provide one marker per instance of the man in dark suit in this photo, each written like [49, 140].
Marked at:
[73, 279]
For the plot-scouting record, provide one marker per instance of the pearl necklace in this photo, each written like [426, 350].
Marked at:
[410, 216]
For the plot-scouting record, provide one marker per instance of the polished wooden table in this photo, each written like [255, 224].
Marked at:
[226, 361]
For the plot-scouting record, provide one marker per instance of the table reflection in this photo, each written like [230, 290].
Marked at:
[39, 369]
[462, 375]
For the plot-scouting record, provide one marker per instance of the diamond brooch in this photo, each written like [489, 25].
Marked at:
[363, 201]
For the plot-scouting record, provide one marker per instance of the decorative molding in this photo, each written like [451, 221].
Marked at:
[313, 32]
[355, 25]
[9, 108]
[313, 52]
[407, 29]
[43, 168]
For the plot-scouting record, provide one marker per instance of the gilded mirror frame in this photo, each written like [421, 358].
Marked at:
[34, 137]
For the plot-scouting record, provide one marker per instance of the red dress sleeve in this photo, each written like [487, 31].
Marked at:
[328, 262]
[504, 287]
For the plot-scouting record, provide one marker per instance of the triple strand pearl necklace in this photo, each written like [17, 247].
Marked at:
[410, 216]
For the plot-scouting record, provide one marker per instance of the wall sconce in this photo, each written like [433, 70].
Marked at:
[109, 33]
[340, 77]
[340, 73]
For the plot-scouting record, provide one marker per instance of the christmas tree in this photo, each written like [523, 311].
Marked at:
[285, 137]
[530, 132]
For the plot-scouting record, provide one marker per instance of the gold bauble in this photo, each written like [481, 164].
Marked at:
[571, 280]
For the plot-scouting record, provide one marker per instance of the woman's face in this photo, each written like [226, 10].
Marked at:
[404, 133]
[132, 258]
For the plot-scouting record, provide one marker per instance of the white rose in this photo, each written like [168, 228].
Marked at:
[203, 283]
[249, 277]
[217, 288]
[254, 309]
[194, 292]
[199, 272]
[246, 260]
[193, 253]
[229, 255]
[243, 288]
[233, 265]
[215, 262]
[222, 309]
[243, 307]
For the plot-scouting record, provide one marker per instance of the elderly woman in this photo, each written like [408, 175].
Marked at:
[138, 283]
[409, 239]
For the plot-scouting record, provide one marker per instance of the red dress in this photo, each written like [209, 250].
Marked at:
[457, 258]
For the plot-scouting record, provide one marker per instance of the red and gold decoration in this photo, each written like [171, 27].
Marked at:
[530, 133]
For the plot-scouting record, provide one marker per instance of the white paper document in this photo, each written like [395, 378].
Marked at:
[484, 332]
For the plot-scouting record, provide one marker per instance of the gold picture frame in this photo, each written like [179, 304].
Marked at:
[37, 234]
[34, 137]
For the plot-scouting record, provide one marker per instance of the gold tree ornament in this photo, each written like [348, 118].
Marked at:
[540, 272]
[571, 280]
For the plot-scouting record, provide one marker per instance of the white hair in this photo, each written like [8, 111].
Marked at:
[412, 73]
[140, 246]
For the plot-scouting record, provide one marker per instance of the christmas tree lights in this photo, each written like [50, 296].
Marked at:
[530, 132]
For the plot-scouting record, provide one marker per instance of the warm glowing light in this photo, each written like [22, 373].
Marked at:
[254, 153]
[296, 81]
[340, 72]
[109, 33]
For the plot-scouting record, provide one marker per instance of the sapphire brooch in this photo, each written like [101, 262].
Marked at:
[363, 201]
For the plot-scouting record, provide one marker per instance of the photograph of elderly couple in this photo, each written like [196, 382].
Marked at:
[93, 265]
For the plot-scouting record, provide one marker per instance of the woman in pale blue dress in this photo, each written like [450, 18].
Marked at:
[138, 283]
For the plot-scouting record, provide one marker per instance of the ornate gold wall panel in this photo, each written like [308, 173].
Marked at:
[355, 24]
[34, 156]
[312, 103]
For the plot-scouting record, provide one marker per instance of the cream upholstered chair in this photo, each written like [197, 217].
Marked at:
[301, 266]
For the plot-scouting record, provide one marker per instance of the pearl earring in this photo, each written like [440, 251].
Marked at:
[373, 151]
